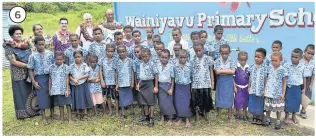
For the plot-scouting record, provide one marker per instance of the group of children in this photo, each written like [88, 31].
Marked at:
[129, 70]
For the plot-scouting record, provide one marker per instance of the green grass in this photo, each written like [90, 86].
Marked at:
[50, 21]
[113, 126]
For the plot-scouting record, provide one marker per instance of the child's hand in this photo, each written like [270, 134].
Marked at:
[137, 87]
[310, 88]
[67, 93]
[249, 89]
[212, 85]
[132, 85]
[170, 92]
[155, 90]
[103, 84]
[235, 89]
[262, 94]
[303, 91]
[282, 97]
[76, 81]
[116, 88]
[36, 85]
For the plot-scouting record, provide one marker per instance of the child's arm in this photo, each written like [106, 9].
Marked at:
[35, 83]
[227, 71]
[132, 83]
[170, 91]
[264, 86]
[249, 83]
[97, 79]
[101, 78]
[284, 88]
[311, 84]
[83, 77]
[50, 85]
[67, 85]
[116, 80]
[304, 84]
[235, 87]
[156, 84]
[212, 77]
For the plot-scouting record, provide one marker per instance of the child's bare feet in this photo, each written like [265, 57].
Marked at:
[161, 122]
[187, 124]
[117, 114]
[45, 122]
[295, 120]
[169, 123]
[287, 121]
[178, 122]
[110, 113]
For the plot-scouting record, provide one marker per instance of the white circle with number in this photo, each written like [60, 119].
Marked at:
[17, 14]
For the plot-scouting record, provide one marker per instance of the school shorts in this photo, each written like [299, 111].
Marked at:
[109, 92]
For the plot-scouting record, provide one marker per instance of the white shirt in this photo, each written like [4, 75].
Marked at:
[185, 45]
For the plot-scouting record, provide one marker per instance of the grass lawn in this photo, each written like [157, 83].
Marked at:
[113, 126]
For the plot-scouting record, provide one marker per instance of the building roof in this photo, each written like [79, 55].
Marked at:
[8, 6]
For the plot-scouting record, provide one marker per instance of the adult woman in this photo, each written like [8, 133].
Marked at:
[17, 51]
[84, 31]
[61, 38]
[38, 31]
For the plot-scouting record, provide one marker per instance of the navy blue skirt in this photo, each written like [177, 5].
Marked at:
[256, 105]
[62, 100]
[224, 96]
[293, 97]
[126, 96]
[81, 96]
[43, 96]
[146, 93]
[182, 100]
[165, 100]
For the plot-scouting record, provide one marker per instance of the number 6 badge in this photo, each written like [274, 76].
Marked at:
[17, 14]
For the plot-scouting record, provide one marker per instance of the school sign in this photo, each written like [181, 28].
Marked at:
[247, 25]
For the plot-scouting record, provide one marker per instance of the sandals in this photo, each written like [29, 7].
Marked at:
[267, 123]
[259, 122]
[245, 118]
[254, 121]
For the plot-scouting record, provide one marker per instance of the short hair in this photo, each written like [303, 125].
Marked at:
[136, 31]
[96, 29]
[198, 43]
[34, 26]
[152, 29]
[117, 33]
[93, 56]
[146, 50]
[166, 51]
[277, 42]
[262, 51]
[202, 32]
[177, 29]
[13, 28]
[183, 51]
[110, 45]
[59, 53]
[194, 33]
[298, 51]
[38, 38]
[243, 53]
[157, 36]
[277, 53]
[218, 27]
[78, 52]
[128, 27]
[120, 46]
[73, 34]
[310, 46]
[63, 18]
[178, 44]
[160, 43]
[139, 46]
[86, 15]
[224, 46]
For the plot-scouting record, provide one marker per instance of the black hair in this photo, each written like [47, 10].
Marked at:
[166, 51]
[277, 42]
[13, 28]
[160, 43]
[139, 46]
[262, 50]
[120, 46]
[73, 34]
[128, 27]
[183, 51]
[117, 33]
[93, 56]
[37, 25]
[202, 32]
[224, 46]
[177, 29]
[152, 29]
[198, 43]
[194, 33]
[59, 53]
[63, 18]
[110, 45]
[178, 44]
[78, 52]
[157, 36]
[136, 31]
[298, 51]
[38, 38]
[96, 29]
[243, 53]
[310, 46]
[146, 50]
[218, 27]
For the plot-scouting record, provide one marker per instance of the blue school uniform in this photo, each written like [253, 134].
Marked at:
[182, 90]
[154, 56]
[147, 74]
[124, 79]
[201, 84]
[165, 74]
[58, 75]
[294, 81]
[257, 78]
[69, 54]
[136, 68]
[225, 83]
[215, 45]
[208, 48]
[94, 87]
[98, 49]
[269, 62]
[274, 88]
[80, 94]
[39, 62]
[309, 67]
[108, 74]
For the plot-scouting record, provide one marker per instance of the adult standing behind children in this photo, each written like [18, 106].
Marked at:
[85, 31]
[110, 26]
[61, 38]
[176, 35]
